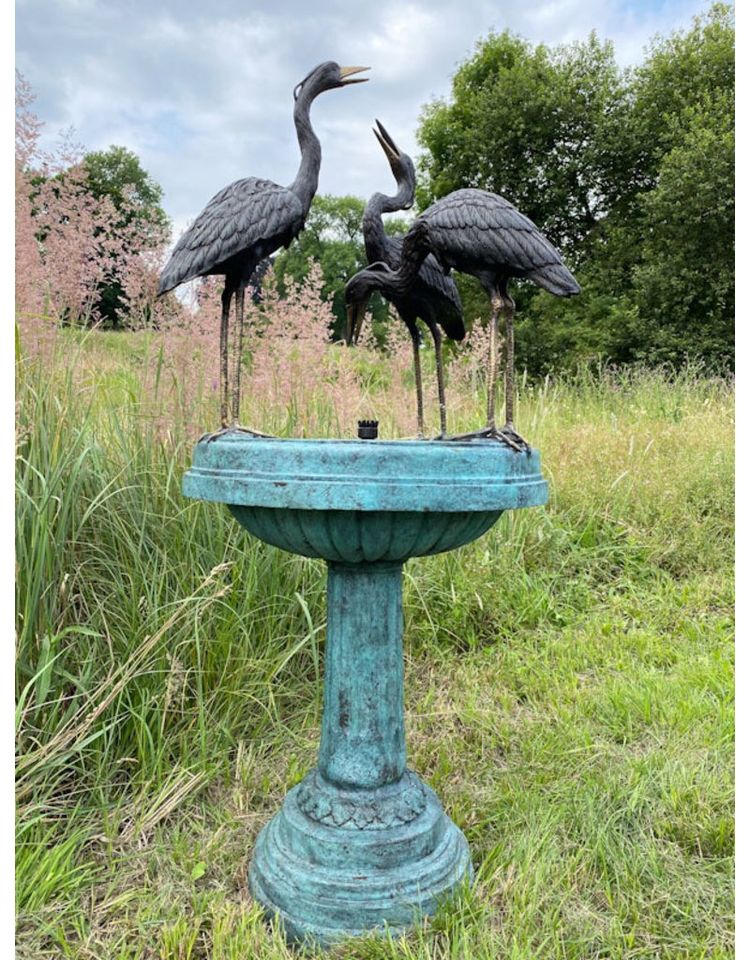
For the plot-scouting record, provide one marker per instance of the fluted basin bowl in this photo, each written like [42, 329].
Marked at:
[355, 501]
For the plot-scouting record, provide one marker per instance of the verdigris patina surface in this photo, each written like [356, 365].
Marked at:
[362, 843]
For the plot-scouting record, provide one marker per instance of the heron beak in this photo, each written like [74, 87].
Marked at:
[386, 142]
[348, 71]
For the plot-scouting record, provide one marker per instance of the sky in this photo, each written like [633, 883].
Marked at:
[202, 92]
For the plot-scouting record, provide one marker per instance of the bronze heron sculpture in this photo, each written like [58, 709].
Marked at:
[484, 235]
[433, 296]
[247, 221]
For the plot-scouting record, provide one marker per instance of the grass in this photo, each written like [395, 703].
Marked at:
[568, 682]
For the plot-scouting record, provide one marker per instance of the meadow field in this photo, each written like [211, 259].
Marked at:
[569, 680]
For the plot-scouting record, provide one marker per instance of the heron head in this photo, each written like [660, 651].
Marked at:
[328, 76]
[357, 295]
[401, 163]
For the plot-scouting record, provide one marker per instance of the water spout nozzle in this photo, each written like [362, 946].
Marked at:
[367, 429]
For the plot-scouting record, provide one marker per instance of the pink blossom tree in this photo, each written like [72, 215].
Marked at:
[69, 242]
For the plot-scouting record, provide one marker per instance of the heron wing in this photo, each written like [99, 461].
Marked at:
[480, 230]
[245, 213]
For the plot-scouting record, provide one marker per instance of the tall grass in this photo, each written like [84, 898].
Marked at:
[568, 676]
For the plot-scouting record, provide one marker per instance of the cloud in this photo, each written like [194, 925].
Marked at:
[205, 97]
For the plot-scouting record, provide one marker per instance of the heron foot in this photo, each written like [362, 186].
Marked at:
[235, 428]
[506, 435]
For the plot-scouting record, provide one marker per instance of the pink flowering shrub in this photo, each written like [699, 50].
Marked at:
[70, 243]
[29, 278]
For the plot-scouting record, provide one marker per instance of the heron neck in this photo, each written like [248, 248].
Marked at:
[373, 228]
[306, 182]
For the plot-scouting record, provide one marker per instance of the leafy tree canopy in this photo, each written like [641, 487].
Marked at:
[536, 125]
[630, 173]
[117, 173]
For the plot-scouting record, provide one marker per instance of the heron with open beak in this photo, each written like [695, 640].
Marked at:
[245, 223]
[432, 297]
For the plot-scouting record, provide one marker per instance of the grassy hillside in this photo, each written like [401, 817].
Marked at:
[568, 680]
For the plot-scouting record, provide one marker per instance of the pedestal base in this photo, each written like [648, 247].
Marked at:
[336, 863]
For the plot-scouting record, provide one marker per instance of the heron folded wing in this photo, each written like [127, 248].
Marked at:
[443, 288]
[243, 214]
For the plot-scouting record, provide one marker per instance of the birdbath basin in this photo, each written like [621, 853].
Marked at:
[361, 843]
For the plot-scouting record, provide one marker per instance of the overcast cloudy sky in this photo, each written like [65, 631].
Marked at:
[201, 89]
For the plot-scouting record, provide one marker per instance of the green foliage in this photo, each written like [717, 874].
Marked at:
[333, 238]
[689, 69]
[630, 173]
[538, 126]
[685, 279]
[117, 173]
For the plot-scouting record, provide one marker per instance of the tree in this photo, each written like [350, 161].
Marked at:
[685, 279]
[682, 72]
[628, 172]
[75, 243]
[333, 238]
[117, 175]
[537, 125]
[683, 107]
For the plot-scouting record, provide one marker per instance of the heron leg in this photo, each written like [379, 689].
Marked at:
[417, 379]
[226, 299]
[239, 338]
[509, 432]
[239, 305]
[509, 309]
[492, 363]
[438, 341]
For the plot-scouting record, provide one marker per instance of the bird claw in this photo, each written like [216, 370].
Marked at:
[506, 435]
[509, 435]
[235, 428]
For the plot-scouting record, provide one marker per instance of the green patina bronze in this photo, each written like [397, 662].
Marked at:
[361, 843]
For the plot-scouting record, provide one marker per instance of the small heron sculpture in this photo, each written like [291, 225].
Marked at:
[247, 221]
[433, 296]
[484, 235]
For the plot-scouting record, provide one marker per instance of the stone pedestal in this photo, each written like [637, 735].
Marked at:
[361, 842]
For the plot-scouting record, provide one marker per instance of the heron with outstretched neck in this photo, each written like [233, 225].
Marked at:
[484, 235]
[246, 222]
[433, 296]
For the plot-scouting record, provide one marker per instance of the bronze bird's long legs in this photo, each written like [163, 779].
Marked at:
[238, 344]
[239, 304]
[508, 435]
[414, 333]
[509, 431]
[226, 299]
[437, 338]
[508, 309]
[492, 364]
